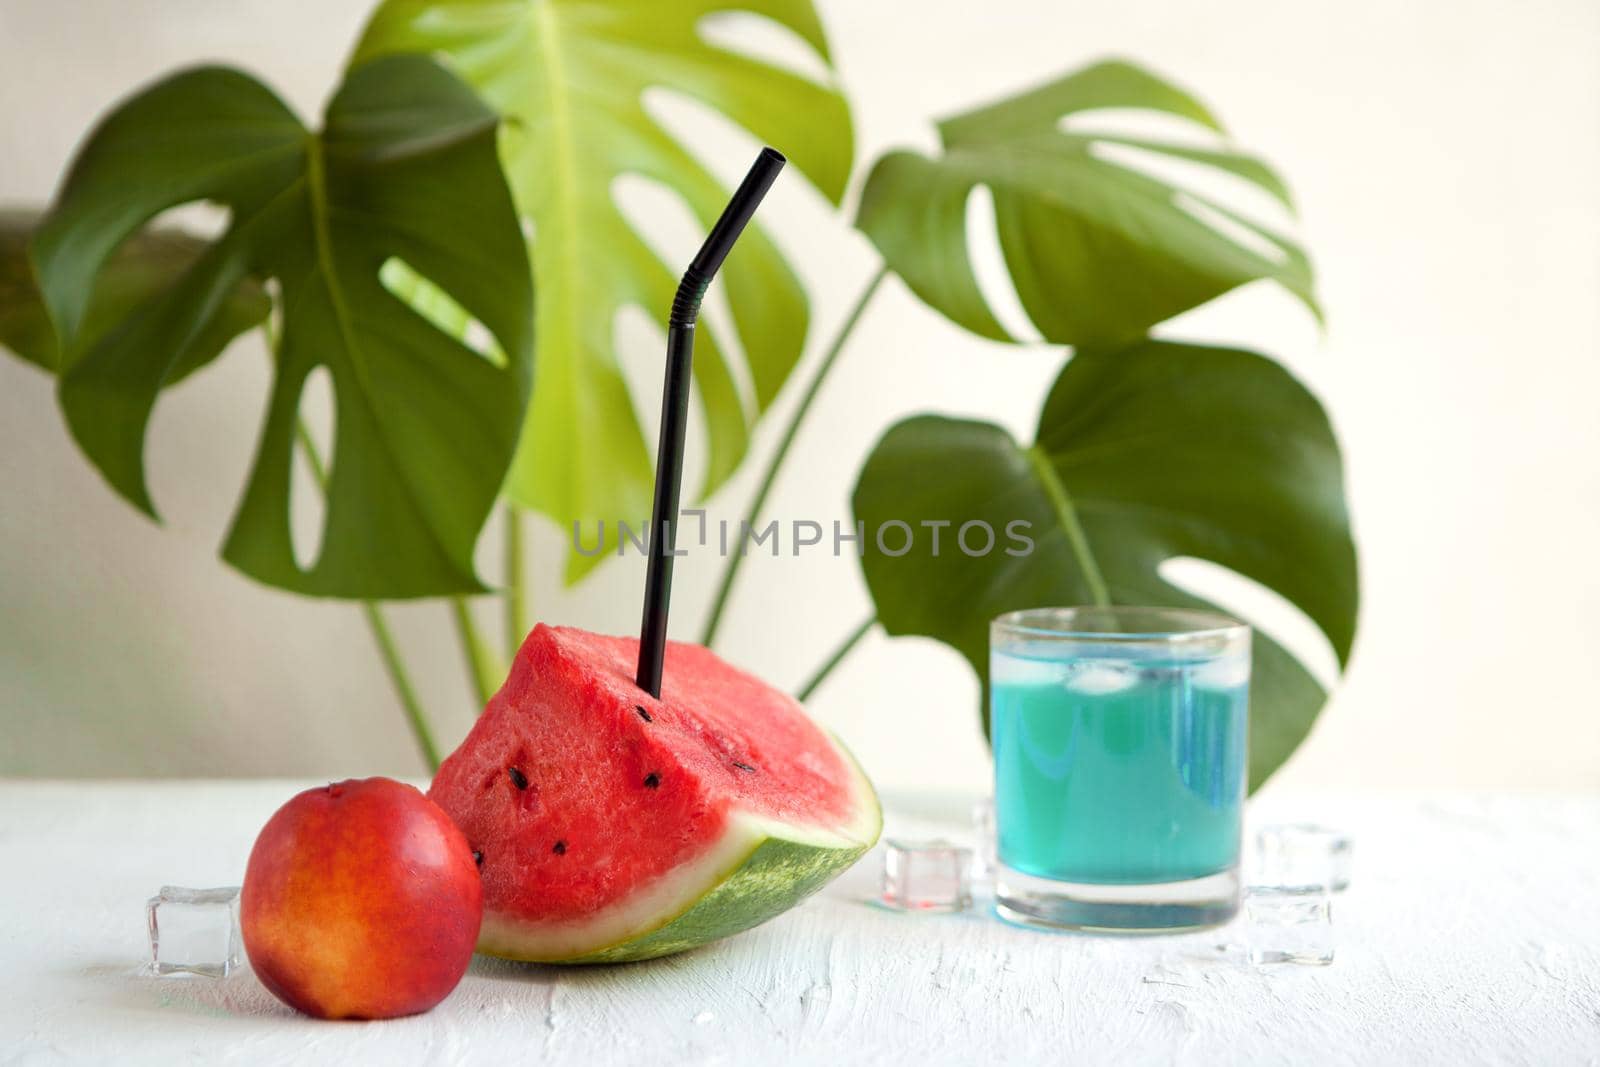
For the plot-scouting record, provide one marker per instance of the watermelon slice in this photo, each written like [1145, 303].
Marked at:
[614, 826]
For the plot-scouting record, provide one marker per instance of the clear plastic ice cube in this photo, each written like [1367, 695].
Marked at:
[926, 876]
[985, 850]
[1102, 677]
[1225, 672]
[1303, 854]
[194, 931]
[1289, 924]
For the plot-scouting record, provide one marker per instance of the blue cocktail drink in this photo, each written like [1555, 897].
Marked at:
[1118, 767]
[1120, 753]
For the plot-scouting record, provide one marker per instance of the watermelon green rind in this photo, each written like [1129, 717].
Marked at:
[774, 867]
[770, 881]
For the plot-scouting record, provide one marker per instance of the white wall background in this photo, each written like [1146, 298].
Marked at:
[1446, 156]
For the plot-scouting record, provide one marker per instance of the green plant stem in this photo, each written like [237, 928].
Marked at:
[516, 592]
[836, 658]
[730, 567]
[482, 666]
[382, 636]
[390, 651]
[1067, 513]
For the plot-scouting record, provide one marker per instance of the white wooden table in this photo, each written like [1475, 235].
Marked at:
[1471, 935]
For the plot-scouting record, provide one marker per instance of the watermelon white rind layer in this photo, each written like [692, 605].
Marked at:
[760, 869]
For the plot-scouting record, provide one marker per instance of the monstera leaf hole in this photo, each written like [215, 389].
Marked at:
[440, 310]
[640, 342]
[1257, 207]
[989, 267]
[313, 459]
[1268, 209]
[273, 288]
[1230, 229]
[203, 220]
[766, 40]
[1107, 132]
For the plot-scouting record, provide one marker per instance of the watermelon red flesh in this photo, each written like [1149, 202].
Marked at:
[604, 816]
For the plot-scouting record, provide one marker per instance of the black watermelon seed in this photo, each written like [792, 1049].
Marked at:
[645, 715]
[560, 849]
[652, 780]
[518, 779]
[743, 766]
[477, 857]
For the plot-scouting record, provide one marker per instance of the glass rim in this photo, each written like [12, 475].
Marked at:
[1181, 624]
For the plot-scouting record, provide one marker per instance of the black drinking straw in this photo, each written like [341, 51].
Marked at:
[675, 410]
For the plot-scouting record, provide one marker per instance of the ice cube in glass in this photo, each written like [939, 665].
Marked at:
[194, 931]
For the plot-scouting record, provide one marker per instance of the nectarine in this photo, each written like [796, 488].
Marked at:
[361, 901]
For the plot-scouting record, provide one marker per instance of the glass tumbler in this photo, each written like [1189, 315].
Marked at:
[1120, 740]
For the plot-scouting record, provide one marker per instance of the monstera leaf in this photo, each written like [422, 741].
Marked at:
[144, 265]
[570, 76]
[1142, 455]
[1098, 251]
[405, 171]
